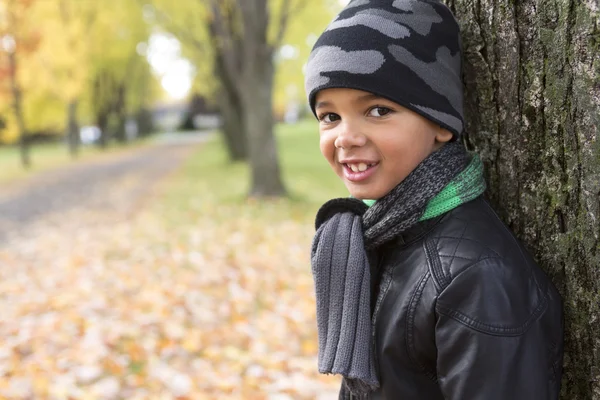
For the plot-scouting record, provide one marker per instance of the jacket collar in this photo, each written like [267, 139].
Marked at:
[416, 232]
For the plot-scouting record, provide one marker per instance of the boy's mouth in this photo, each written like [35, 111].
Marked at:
[359, 167]
[359, 171]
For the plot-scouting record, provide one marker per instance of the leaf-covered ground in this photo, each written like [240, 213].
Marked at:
[198, 295]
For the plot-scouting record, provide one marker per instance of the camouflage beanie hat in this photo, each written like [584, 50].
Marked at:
[407, 51]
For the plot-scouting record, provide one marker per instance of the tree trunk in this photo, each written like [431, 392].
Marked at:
[104, 89]
[18, 110]
[120, 113]
[258, 116]
[72, 129]
[102, 124]
[256, 91]
[230, 103]
[233, 128]
[144, 121]
[244, 60]
[532, 103]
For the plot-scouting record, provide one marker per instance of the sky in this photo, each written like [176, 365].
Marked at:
[176, 73]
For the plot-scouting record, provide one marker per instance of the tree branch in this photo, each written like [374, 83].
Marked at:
[182, 34]
[223, 37]
[286, 11]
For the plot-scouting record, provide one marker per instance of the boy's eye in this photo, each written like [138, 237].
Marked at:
[329, 117]
[379, 111]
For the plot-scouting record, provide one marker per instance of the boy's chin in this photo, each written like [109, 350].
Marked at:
[363, 194]
[374, 189]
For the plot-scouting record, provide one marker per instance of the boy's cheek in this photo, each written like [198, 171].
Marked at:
[327, 150]
[336, 168]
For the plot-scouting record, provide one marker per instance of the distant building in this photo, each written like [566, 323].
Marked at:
[168, 116]
[198, 113]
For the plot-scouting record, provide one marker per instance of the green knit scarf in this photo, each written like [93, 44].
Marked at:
[466, 186]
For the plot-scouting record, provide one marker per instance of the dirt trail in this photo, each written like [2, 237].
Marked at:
[114, 184]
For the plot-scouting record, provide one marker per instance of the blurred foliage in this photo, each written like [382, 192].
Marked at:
[302, 32]
[94, 54]
[76, 42]
[308, 19]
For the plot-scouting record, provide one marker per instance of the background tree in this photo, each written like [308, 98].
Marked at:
[72, 61]
[18, 40]
[250, 69]
[58, 72]
[241, 41]
[117, 34]
[532, 75]
[300, 36]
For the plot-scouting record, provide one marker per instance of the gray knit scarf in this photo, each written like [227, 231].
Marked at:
[346, 230]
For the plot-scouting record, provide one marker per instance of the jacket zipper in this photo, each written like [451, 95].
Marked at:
[377, 308]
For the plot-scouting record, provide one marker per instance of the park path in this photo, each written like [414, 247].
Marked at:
[118, 184]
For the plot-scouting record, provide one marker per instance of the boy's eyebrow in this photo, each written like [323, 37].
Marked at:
[322, 104]
[360, 99]
[367, 97]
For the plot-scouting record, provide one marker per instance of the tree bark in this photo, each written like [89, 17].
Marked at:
[120, 113]
[256, 88]
[532, 104]
[143, 118]
[102, 124]
[233, 128]
[258, 115]
[102, 105]
[72, 129]
[18, 110]
[244, 59]
[230, 103]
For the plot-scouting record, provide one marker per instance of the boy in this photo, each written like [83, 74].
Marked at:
[422, 292]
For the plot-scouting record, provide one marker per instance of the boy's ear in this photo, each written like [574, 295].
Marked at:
[443, 135]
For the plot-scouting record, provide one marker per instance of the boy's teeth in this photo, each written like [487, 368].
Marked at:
[360, 167]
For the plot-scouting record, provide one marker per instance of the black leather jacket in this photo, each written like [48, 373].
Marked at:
[464, 313]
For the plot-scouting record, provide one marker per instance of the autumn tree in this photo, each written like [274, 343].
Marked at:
[236, 35]
[241, 41]
[88, 65]
[532, 75]
[17, 41]
[76, 69]
[58, 72]
[240, 31]
[118, 65]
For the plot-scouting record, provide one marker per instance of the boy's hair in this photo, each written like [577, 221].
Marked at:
[407, 51]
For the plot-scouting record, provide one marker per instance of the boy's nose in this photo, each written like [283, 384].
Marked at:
[349, 137]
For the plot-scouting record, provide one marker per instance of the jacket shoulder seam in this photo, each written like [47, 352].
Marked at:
[483, 245]
[489, 329]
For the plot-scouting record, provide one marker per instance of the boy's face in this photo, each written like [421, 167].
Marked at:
[372, 143]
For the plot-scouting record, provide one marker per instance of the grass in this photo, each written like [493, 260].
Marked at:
[306, 174]
[211, 192]
[209, 176]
